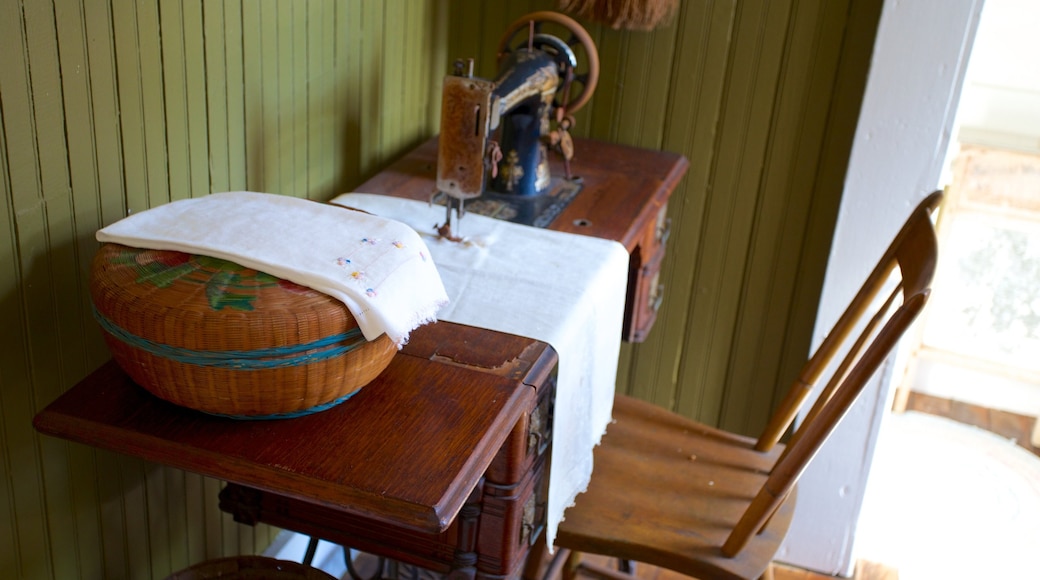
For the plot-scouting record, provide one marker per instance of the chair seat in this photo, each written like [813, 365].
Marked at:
[667, 491]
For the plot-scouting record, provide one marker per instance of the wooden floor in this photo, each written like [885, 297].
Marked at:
[864, 571]
[367, 567]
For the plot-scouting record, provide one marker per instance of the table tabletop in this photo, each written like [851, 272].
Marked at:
[407, 449]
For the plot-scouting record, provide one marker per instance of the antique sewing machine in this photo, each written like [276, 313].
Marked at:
[496, 135]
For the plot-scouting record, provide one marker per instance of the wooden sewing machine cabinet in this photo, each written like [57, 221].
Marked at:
[438, 462]
[503, 513]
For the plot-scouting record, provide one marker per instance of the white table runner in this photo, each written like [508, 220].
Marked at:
[564, 289]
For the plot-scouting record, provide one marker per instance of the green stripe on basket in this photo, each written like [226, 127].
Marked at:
[258, 359]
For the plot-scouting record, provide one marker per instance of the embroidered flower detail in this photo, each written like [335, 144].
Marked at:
[423, 256]
[398, 244]
[342, 261]
[369, 241]
[357, 275]
[371, 292]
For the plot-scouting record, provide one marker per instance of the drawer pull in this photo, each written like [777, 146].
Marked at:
[527, 535]
[535, 431]
[655, 298]
[664, 230]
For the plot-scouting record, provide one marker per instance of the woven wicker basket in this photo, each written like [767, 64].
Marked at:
[220, 338]
[251, 568]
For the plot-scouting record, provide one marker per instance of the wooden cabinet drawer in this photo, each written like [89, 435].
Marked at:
[529, 440]
[512, 519]
[646, 294]
[507, 518]
[644, 276]
[657, 233]
[252, 506]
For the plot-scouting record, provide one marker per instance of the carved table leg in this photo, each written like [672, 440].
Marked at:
[464, 564]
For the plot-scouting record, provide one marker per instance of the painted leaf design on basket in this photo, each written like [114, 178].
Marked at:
[151, 268]
[221, 296]
[227, 285]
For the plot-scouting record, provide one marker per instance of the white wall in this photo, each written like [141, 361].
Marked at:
[897, 157]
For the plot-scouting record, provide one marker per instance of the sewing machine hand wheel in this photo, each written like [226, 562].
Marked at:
[563, 49]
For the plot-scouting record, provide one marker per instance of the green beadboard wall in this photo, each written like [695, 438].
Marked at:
[113, 106]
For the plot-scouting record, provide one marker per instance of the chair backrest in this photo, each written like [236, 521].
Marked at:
[850, 354]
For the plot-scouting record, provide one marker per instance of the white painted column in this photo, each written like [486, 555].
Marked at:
[920, 56]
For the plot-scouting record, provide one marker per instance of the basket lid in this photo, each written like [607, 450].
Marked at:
[199, 302]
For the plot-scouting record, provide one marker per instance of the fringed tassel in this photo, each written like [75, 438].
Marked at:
[628, 14]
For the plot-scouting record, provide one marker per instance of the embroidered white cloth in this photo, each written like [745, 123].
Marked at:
[379, 268]
[564, 289]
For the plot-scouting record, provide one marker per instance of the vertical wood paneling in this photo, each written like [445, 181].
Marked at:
[644, 94]
[144, 516]
[253, 83]
[371, 79]
[213, 519]
[281, 150]
[297, 116]
[467, 40]
[150, 71]
[174, 515]
[8, 312]
[268, 49]
[107, 144]
[237, 126]
[320, 160]
[412, 38]
[40, 218]
[439, 57]
[9, 367]
[348, 91]
[597, 116]
[114, 107]
[174, 98]
[130, 106]
[113, 528]
[782, 213]
[846, 97]
[27, 548]
[218, 79]
[743, 133]
[395, 25]
[699, 72]
[60, 461]
[51, 210]
[198, 177]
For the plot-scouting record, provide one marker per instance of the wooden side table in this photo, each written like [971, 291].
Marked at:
[448, 439]
[624, 197]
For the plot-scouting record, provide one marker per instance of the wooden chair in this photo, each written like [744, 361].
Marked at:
[677, 494]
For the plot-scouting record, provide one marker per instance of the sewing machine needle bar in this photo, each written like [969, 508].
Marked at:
[454, 215]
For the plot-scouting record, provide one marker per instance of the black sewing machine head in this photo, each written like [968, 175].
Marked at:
[496, 135]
